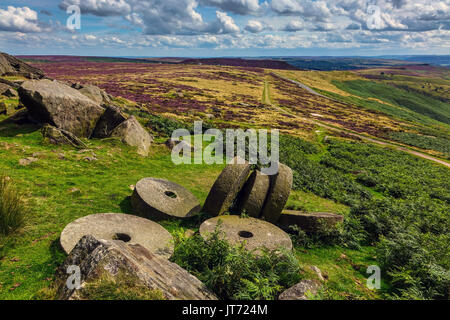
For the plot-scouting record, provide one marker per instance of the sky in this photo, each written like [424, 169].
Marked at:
[207, 28]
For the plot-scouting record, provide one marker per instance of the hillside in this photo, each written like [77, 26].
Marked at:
[395, 205]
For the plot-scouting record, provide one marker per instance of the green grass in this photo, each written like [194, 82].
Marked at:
[424, 142]
[64, 190]
[419, 104]
[345, 270]
[13, 208]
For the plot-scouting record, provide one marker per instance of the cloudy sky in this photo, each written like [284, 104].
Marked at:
[225, 27]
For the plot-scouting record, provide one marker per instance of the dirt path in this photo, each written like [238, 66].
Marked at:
[348, 131]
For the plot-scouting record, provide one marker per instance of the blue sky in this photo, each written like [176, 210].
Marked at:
[226, 27]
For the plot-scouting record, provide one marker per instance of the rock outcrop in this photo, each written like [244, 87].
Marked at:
[121, 263]
[132, 133]
[10, 65]
[93, 92]
[55, 103]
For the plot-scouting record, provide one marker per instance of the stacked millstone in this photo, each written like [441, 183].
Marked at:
[264, 197]
[253, 193]
[259, 196]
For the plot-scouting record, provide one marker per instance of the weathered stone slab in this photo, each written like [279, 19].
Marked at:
[132, 133]
[310, 222]
[117, 226]
[226, 187]
[255, 233]
[60, 105]
[10, 65]
[280, 188]
[253, 195]
[159, 199]
[126, 265]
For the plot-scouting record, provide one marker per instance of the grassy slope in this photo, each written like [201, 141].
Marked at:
[61, 190]
[413, 101]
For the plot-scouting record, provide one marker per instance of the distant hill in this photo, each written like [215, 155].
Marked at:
[429, 59]
[238, 62]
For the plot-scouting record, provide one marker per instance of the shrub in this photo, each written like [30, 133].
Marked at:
[13, 208]
[232, 272]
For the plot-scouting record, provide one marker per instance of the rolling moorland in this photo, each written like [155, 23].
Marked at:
[370, 144]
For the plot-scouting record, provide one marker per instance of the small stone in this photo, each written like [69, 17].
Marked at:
[90, 159]
[318, 272]
[301, 290]
[38, 154]
[27, 161]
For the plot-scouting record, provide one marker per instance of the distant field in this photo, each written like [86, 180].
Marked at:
[376, 101]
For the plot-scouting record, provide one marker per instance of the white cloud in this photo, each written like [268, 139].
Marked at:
[19, 19]
[103, 8]
[316, 10]
[293, 26]
[243, 7]
[254, 26]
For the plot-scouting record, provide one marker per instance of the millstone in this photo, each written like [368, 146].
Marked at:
[159, 199]
[280, 188]
[226, 187]
[309, 221]
[253, 195]
[256, 233]
[118, 226]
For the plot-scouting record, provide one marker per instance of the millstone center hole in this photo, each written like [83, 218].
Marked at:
[170, 194]
[122, 236]
[245, 234]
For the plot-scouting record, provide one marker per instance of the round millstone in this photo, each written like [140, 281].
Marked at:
[256, 234]
[119, 226]
[227, 186]
[311, 222]
[280, 188]
[253, 195]
[159, 199]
